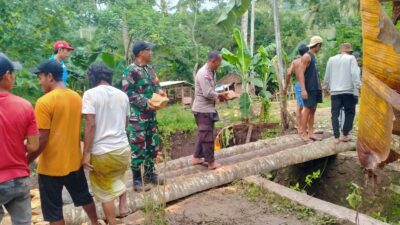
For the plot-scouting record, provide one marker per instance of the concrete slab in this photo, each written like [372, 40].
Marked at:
[340, 212]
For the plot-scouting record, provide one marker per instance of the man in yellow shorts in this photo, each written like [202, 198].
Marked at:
[107, 151]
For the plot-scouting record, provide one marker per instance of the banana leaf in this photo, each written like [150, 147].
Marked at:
[380, 99]
[233, 10]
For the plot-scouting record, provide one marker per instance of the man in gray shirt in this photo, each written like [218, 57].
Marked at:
[342, 79]
[204, 110]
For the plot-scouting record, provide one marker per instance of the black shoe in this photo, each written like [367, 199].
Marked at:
[138, 184]
[139, 187]
[153, 178]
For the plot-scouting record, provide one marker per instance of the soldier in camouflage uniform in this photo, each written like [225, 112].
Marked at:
[139, 83]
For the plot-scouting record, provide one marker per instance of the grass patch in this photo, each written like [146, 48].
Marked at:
[390, 212]
[154, 213]
[274, 119]
[228, 113]
[284, 206]
[176, 118]
[269, 133]
[326, 103]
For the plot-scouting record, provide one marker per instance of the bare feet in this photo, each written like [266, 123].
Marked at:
[337, 141]
[305, 138]
[299, 131]
[196, 161]
[346, 139]
[213, 166]
[124, 214]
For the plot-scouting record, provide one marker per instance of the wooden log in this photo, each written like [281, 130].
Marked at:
[231, 159]
[188, 185]
[283, 142]
[250, 130]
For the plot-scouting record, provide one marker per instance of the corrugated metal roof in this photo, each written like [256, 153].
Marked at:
[172, 83]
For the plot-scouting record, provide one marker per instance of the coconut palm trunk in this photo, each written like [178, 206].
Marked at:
[244, 27]
[236, 153]
[252, 21]
[280, 71]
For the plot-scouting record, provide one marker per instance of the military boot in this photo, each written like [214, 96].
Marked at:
[152, 177]
[138, 185]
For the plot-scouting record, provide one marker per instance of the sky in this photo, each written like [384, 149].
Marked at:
[207, 5]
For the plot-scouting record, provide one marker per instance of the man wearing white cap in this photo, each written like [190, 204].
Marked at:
[342, 79]
[311, 90]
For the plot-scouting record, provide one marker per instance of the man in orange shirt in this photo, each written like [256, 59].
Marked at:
[58, 114]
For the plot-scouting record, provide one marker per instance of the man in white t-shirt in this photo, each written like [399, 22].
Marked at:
[106, 147]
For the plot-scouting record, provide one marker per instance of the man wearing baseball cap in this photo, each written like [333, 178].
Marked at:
[311, 90]
[139, 82]
[18, 123]
[58, 115]
[342, 79]
[62, 51]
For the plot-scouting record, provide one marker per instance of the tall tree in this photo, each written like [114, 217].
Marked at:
[280, 72]
[252, 21]
[245, 25]
[195, 5]
[164, 6]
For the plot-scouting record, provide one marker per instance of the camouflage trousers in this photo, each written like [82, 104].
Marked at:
[144, 141]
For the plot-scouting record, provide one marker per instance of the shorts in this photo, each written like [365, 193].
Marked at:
[50, 188]
[15, 197]
[297, 92]
[314, 97]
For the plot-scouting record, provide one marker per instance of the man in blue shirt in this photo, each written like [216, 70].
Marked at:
[62, 50]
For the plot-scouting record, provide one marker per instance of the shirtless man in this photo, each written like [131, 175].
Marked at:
[293, 69]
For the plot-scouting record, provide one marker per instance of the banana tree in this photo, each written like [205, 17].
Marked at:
[252, 70]
[263, 66]
[241, 61]
[228, 18]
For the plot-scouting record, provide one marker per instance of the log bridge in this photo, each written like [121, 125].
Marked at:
[184, 179]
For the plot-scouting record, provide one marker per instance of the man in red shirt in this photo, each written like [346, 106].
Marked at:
[17, 123]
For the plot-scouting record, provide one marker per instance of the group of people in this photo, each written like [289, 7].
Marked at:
[119, 130]
[121, 127]
[342, 81]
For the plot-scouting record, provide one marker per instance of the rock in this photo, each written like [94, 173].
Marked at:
[37, 218]
[36, 211]
[35, 195]
[42, 223]
[134, 218]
